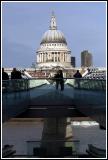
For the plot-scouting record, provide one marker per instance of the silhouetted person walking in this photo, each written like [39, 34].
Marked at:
[5, 76]
[15, 74]
[77, 75]
[59, 80]
[5, 83]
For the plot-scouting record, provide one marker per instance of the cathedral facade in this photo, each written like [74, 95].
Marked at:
[53, 50]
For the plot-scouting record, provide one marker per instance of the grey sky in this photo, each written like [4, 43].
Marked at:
[23, 24]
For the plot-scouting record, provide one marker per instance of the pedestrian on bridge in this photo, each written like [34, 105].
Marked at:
[5, 78]
[16, 77]
[59, 80]
[77, 76]
[15, 74]
[5, 75]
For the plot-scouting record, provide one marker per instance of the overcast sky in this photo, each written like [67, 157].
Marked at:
[24, 23]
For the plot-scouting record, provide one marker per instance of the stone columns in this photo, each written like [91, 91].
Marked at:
[37, 58]
[46, 56]
[56, 57]
[52, 57]
[68, 57]
[65, 57]
[43, 56]
[40, 57]
[59, 56]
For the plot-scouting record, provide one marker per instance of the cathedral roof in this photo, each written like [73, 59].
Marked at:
[53, 35]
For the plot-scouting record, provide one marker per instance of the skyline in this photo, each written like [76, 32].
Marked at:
[24, 23]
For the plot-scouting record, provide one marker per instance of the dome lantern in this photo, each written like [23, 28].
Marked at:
[53, 25]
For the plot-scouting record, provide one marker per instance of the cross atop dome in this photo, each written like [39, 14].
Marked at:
[53, 25]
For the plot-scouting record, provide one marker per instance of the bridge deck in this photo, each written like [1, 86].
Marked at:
[55, 103]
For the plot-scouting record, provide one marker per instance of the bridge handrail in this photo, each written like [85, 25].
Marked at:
[76, 83]
[21, 84]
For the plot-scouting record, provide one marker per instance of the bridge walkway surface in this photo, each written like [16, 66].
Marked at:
[45, 100]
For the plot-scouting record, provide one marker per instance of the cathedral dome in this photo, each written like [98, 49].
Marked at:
[53, 36]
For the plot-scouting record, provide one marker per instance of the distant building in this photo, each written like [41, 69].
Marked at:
[73, 61]
[53, 50]
[86, 59]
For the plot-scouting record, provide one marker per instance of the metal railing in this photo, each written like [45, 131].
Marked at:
[90, 84]
[21, 84]
[78, 83]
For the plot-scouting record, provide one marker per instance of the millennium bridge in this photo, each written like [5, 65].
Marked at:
[34, 98]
